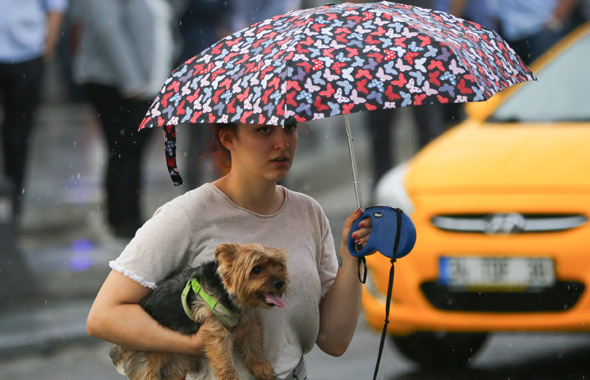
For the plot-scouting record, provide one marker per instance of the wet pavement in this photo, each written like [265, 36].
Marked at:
[64, 241]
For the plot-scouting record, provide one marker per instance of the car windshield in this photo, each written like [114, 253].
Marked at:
[560, 94]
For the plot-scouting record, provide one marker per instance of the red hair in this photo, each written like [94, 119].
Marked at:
[221, 155]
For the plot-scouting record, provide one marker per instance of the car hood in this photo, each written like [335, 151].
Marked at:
[507, 157]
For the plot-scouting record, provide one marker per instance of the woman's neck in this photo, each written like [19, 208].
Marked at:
[263, 198]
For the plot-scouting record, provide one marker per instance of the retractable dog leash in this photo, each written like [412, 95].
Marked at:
[384, 221]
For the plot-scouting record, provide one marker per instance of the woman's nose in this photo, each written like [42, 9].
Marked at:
[281, 138]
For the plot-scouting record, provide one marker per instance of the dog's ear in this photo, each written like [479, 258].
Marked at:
[224, 256]
[226, 252]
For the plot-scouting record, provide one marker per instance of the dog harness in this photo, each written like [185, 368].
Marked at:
[225, 316]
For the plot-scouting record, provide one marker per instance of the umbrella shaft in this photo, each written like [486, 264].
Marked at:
[355, 181]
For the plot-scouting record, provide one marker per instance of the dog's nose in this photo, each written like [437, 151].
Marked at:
[278, 284]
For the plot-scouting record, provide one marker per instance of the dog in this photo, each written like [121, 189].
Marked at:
[213, 297]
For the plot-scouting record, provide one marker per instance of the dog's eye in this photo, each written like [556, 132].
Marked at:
[257, 269]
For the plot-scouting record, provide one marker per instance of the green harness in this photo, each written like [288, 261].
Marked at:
[227, 317]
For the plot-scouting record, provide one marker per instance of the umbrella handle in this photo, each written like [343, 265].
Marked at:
[355, 181]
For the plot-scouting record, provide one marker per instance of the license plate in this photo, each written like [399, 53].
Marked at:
[496, 272]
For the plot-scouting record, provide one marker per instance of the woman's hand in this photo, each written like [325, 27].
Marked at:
[197, 343]
[360, 236]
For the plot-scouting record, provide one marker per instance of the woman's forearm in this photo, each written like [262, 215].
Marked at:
[130, 326]
[340, 307]
[117, 317]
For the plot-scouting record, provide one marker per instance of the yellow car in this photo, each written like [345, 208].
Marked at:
[501, 205]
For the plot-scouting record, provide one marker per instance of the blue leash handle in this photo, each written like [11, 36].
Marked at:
[383, 233]
[393, 234]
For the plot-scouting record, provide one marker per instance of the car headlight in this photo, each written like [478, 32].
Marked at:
[391, 191]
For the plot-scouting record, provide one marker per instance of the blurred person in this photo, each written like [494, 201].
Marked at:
[203, 23]
[585, 10]
[66, 50]
[323, 300]
[29, 32]
[126, 52]
[532, 26]
[433, 119]
[248, 12]
[472, 10]
[429, 121]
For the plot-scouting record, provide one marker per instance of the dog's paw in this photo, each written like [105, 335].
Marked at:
[227, 375]
[263, 371]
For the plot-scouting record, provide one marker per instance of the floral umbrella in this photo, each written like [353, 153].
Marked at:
[335, 60]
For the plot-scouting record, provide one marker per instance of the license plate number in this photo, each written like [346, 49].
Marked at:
[496, 272]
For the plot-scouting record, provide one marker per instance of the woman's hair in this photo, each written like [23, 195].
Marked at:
[221, 156]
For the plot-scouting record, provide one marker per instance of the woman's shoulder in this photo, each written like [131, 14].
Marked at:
[296, 196]
[304, 203]
[188, 202]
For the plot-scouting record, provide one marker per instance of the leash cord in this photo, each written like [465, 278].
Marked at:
[389, 292]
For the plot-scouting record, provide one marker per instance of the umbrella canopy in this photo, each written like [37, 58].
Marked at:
[335, 60]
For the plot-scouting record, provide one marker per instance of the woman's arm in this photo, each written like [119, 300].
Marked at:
[117, 317]
[340, 308]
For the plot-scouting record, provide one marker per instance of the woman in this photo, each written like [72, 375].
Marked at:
[323, 300]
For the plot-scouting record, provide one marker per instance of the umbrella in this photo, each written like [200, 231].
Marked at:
[333, 60]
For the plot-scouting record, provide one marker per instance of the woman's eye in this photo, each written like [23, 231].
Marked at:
[290, 128]
[264, 129]
[257, 270]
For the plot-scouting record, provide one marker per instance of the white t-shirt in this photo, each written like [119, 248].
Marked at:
[186, 231]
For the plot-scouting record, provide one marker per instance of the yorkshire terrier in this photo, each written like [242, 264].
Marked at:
[213, 297]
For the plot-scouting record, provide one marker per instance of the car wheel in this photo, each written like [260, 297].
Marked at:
[440, 350]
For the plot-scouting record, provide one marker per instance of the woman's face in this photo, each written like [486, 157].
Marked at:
[263, 150]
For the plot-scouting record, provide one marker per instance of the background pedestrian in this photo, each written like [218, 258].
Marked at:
[127, 50]
[29, 32]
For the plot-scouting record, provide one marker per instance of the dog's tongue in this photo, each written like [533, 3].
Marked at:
[275, 300]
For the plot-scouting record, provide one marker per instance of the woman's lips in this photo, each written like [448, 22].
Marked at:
[280, 161]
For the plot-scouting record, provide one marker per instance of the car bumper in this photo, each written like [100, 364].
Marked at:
[413, 310]
[405, 320]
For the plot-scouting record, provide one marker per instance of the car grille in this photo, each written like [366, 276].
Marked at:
[560, 297]
[508, 223]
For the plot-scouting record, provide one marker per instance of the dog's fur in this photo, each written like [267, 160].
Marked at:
[242, 278]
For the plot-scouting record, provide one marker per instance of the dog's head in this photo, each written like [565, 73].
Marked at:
[253, 275]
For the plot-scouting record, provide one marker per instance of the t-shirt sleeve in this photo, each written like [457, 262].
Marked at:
[328, 263]
[158, 248]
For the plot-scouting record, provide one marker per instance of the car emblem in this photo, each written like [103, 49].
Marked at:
[510, 223]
